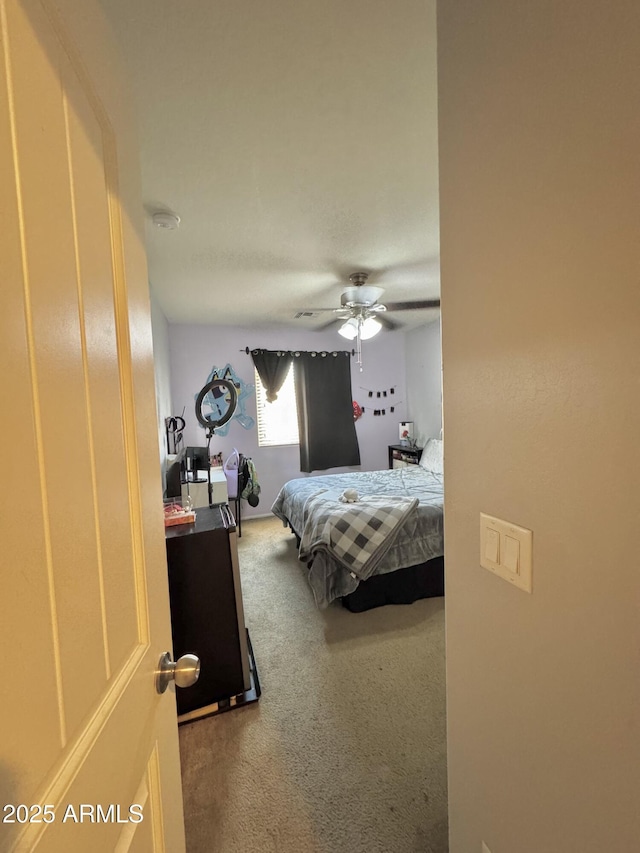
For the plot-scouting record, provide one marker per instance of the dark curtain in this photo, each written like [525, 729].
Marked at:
[327, 430]
[272, 367]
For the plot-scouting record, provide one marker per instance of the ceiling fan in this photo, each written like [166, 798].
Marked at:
[362, 315]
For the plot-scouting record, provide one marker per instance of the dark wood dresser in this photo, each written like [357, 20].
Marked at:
[207, 616]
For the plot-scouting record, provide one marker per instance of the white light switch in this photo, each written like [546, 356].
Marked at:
[506, 550]
[511, 559]
[492, 546]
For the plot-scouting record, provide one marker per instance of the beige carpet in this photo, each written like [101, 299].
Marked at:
[345, 752]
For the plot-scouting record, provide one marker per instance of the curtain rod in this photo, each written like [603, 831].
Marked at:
[247, 350]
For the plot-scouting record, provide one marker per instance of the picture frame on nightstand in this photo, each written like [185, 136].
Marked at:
[405, 433]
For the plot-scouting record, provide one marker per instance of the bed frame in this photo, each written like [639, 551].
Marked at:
[404, 586]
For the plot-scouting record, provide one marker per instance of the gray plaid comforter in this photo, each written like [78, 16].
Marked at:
[357, 535]
[418, 539]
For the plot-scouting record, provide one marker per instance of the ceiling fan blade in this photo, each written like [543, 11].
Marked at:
[308, 311]
[410, 306]
[387, 322]
[330, 324]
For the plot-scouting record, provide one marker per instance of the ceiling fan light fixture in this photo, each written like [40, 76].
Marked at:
[369, 328]
[362, 295]
[349, 329]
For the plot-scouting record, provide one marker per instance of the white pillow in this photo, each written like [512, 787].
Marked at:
[431, 459]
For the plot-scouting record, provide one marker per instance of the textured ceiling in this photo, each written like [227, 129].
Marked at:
[297, 141]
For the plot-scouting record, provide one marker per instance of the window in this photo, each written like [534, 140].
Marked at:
[277, 421]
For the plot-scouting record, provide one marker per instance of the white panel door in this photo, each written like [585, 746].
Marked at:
[89, 757]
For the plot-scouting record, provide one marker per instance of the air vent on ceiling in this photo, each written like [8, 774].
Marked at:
[305, 314]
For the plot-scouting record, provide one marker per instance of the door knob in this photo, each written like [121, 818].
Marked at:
[185, 671]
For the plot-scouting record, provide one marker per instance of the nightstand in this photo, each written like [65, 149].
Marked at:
[401, 455]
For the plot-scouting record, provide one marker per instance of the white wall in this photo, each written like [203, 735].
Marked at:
[540, 224]
[195, 349]
[424, 381]
[162, 370]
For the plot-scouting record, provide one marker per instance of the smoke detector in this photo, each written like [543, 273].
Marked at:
[164, 219]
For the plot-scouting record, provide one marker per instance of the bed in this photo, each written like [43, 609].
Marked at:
[393, 532]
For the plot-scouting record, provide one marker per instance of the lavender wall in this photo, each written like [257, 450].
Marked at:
[424, 381]
[195, 349]
[162, 371]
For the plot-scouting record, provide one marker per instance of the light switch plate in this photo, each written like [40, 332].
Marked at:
[513, 558]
